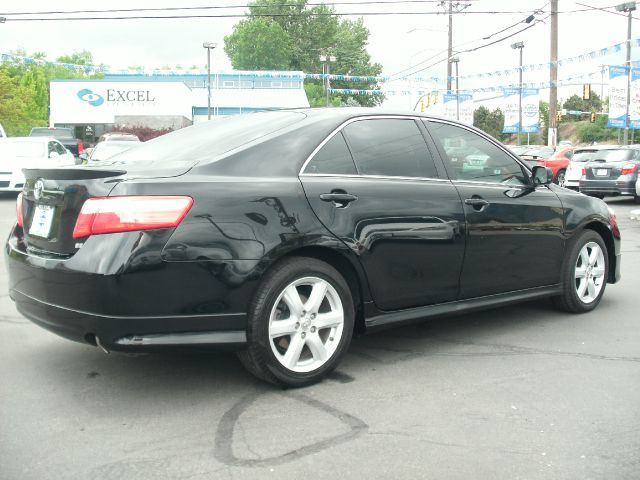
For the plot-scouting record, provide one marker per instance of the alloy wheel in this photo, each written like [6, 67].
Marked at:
[306, 324]
[589, 272]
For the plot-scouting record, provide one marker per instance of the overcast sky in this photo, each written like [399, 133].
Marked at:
[397, 42]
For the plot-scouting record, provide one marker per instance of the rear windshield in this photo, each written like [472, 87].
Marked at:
[51, 132]
[21, 149]
[206, 140]
[617, 155]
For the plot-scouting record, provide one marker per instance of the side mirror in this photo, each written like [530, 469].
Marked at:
[542, 175]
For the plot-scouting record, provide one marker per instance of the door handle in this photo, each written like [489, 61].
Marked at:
[339, 199]
[476, 202]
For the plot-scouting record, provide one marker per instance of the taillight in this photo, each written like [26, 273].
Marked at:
[80, 148]
[628, 168]
[614, 224]
[542, 163]
[19, 210]
[584, 171]
[124, 214]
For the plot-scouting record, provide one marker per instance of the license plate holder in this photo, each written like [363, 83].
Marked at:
[42, 221]
[601, 172]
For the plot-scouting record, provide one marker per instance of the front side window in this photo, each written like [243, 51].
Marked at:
[390, 147]
[333, 158]
[472, 157]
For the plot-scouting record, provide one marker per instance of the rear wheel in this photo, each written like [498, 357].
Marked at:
[300, 323]
[584, 274]
[561, 178]
[636, 198]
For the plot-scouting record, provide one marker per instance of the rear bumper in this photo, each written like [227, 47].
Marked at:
[131, 305]
[131, 333]
[608, 187]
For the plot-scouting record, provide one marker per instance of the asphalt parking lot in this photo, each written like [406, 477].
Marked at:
[522, 392]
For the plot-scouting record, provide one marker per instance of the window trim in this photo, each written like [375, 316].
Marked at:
[415, 118]
[483, 135]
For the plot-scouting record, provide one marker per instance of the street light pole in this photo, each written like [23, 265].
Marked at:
[519, 46]
[627, 7]
[209, 46]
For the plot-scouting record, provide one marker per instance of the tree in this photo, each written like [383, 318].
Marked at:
[16, 119]
[83, 57]
[305, 32]
[258, 44]
[575, 102]
[490, 122]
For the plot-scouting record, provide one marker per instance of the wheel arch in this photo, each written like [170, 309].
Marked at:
[607, 236]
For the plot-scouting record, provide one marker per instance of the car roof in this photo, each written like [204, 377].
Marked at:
[32, 139]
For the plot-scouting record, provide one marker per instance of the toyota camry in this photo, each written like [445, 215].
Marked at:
[282, 234]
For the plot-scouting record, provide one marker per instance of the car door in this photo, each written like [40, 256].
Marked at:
[514, 230]
[377, 186]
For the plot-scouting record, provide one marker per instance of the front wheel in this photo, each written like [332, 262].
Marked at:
[584, 273]
[300, 323]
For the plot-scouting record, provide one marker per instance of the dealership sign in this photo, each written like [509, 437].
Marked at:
[101, 102]
[530, 110]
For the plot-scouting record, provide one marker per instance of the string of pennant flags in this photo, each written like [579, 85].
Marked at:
[105, 69]
[93, 69]
[500, 88]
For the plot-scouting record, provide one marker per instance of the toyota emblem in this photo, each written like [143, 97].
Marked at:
[38, 188]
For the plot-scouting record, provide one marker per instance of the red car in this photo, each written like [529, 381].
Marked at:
[557, 160]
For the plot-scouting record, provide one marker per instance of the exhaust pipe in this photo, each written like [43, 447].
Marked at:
[102, 347]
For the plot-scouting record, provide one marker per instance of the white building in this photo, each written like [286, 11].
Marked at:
[168, 101]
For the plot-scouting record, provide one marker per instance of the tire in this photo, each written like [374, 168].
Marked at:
[300, 323]
[636, 199]
[584, 274]
[561, 178]
[596, 195]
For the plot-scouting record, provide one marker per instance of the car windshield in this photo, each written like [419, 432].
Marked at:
[613, 155]
[51, 132]
[21, 149]
[109, 149]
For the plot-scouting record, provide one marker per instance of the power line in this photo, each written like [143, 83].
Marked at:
[535, 12]
[223, 7]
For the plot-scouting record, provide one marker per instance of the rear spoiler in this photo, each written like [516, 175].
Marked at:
[70, 173]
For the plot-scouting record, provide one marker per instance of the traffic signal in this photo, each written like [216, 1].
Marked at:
[593, 117]
[558, 116]
[586, 91]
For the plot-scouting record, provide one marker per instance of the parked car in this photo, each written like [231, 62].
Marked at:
[612, 172]
[556, 159]
[63, 135]
[581, 156]
[104, 150]
[17, 153]
[118, 136]
[282, 233]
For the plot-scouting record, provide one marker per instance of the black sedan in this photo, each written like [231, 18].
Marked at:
[282, 234]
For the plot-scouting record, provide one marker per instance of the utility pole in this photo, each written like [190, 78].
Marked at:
[553, 78]
[456, 60]
[450, 48]
[326, 61]
[628, 8]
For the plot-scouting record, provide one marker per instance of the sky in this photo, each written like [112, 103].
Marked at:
[397, 42]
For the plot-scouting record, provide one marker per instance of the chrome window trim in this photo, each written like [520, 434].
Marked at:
[375, 177]
[357, 119]
[484, 136]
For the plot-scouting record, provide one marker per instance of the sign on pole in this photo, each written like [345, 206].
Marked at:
[465, 110]
[634, 106]
[530, 110]
[511, 107]
[617, 97]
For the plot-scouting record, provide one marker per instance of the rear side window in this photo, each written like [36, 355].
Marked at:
[333, 158]
[390, 148]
